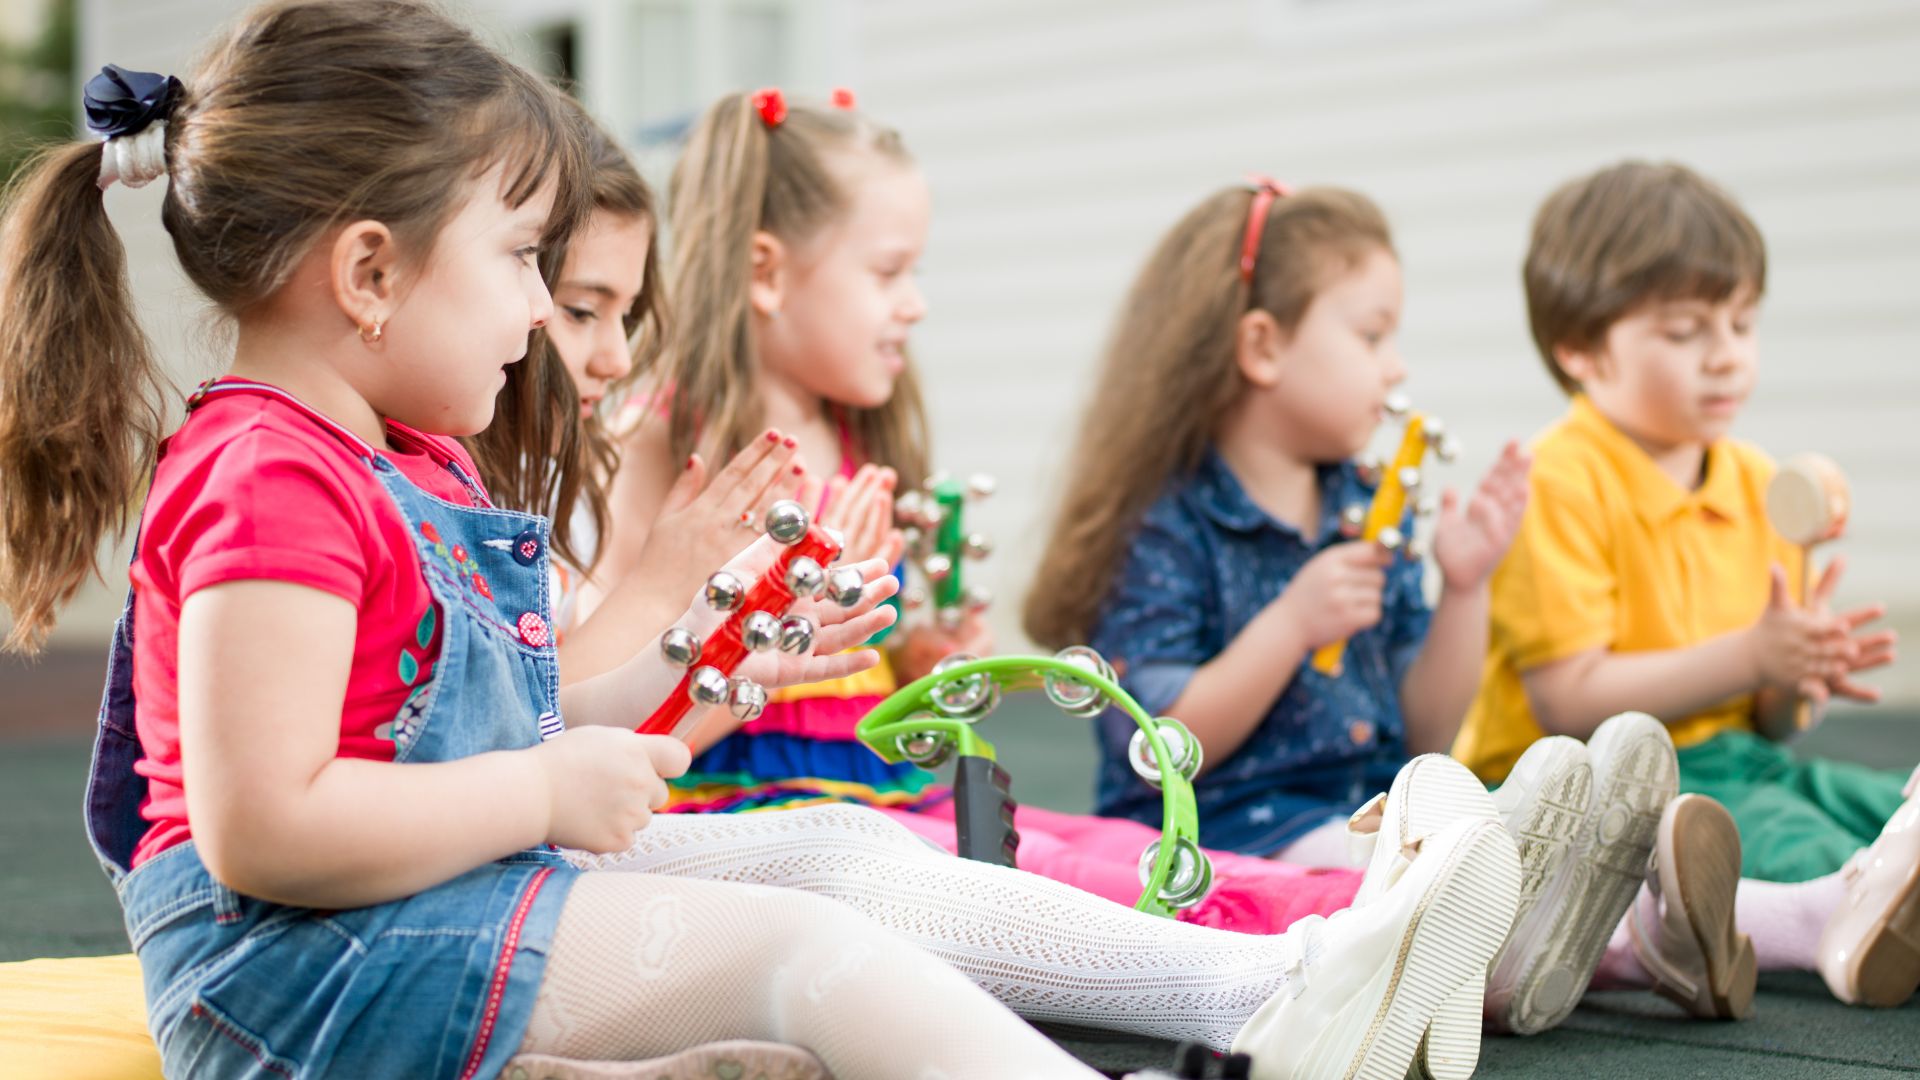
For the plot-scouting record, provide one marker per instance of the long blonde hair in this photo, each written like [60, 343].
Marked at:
[1169, 375]
[739, 176]
[308, 114]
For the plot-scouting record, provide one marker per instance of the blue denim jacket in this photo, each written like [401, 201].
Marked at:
[1205, 561]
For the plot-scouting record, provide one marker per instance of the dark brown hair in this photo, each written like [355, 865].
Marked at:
[1633, 233]
[308, 114]
[1169, 376]
[540, 405]
[737, 177]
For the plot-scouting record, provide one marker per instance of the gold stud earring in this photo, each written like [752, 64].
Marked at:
[371, 335]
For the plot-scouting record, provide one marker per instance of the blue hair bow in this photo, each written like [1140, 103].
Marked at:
[121, 102]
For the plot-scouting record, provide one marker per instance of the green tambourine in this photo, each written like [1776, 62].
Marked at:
[932, 719]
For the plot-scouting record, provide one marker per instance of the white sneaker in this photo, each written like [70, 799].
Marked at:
[1429, 793]
[1870, 949]
[1372, 978]
[1585, 889]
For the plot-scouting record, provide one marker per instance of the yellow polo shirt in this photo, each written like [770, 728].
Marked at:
[1612, 554]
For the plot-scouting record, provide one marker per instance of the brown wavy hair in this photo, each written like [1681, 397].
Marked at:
[1169, 375]
[540, 405]
[307, 114]
[737, 177]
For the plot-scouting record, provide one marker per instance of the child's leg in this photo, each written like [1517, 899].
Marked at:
[1798, 820]
[1784, 920]
[1050, 951]
[1102, 856]
[1858, 799]
[646, 965]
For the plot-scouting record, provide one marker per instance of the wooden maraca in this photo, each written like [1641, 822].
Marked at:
[1808, 502]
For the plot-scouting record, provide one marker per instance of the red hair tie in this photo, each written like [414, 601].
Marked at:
[1265, 190]
[771, 104]
[842, 98]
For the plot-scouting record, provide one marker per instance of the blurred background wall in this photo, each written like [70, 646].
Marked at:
[1061, 137]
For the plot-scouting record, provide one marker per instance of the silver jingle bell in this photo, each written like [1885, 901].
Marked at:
[1390, 538]
[949, 618]
[1072, 696]
[760, 631]
[927, 749]
[787, 521]
[746, 699]
[845, 585]
[978, 598]
[981, 486]
[1415, 550]
[914, 599]
[805, 577]
[707, 686]
[976, 546]
[1448, 449]
[1191, 877]
[1370, 470]
[937, 567]
[1181, 743]
[1353, 520]
[936, 478]
[1189, 874]
[796, 634]
[907, 508]
[681, 647]
[1398, 405]
[1426, 507]
[724, 591]
[969, 697]
[1410, 479]
[1434, 429]
[932, 515]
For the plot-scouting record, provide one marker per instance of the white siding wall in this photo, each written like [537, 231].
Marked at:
[1062, 137]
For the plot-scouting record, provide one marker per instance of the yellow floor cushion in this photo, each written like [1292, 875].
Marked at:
[75, 1018]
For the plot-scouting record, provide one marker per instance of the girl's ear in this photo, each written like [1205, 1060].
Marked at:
[767, 288]
[1259, 345]
[362, 269]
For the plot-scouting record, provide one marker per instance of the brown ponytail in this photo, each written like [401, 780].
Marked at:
[78, 386]
[307, 115]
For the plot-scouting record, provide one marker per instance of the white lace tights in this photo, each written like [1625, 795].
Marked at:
[1049, 951]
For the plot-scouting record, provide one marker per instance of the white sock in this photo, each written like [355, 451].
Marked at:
[1784, 919]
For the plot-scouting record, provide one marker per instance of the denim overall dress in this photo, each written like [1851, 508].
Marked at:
[439, 984]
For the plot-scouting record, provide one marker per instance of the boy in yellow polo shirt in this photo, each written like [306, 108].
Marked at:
[1646, 576]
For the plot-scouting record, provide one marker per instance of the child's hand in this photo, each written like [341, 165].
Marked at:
[836, 629]
[603, 784]
[1799, 650]
[1468, 545]
[862, 510]
[926, 645]
[700, 525]
[1865, 651]
[1338, 593]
